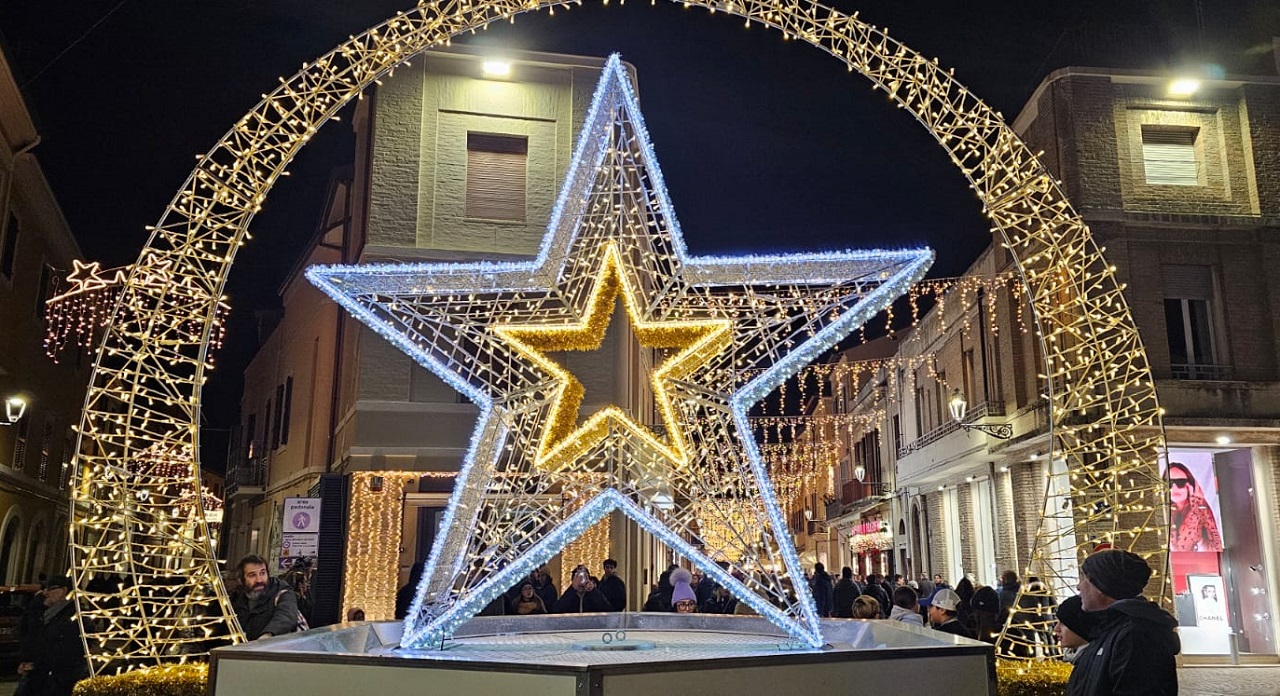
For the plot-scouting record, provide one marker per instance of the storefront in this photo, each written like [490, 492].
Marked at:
[870, 546]
[1222, 551]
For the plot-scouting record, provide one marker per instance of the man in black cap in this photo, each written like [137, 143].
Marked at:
[1132, 647]
[56, 660]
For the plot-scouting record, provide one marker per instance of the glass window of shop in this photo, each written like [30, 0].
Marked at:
[1216, 553]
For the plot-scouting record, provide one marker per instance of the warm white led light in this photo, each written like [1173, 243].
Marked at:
[1184, 87]
[497, 68]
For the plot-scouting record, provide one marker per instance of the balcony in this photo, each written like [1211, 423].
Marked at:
[247, 477]
[854, 491]
[1219, 373]
[978, 412]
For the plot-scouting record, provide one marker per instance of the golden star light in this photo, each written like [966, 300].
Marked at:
[730, 331]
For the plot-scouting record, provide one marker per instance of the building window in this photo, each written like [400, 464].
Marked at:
[20, 444]
[68, 447]
[287, 399]
[42, 290]
[251, 437]
[496, 176]
[46, 447]
[1169, 156]
[1189, 321]
[9, 246]
[278, 419]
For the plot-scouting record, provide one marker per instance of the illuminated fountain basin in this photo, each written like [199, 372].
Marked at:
[578, 655]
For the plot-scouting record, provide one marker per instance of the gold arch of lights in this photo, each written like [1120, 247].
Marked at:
[144, 394]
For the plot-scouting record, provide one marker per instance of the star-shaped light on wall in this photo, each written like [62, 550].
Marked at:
[727, 331]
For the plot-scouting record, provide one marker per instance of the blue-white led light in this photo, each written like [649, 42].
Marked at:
[864, 281]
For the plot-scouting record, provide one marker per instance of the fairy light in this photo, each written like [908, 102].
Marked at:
[490, 326]
[145, 388]
[373, 542]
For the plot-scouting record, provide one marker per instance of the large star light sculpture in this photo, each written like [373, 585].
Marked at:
[720, 334]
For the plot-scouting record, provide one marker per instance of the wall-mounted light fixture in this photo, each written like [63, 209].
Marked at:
[14, 408]
[959, 406]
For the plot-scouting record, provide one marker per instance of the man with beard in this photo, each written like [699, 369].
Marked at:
[265, 606]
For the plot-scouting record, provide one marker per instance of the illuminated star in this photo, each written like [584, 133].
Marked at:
[727, 331]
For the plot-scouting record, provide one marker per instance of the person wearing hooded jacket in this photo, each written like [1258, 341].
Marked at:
[1132, 646]
[822, 588]
[843, 594]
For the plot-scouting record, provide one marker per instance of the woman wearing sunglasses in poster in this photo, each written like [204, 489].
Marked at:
[1193, 525]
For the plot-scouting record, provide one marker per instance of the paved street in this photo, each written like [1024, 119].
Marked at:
[1229, 681]
[1193, 681]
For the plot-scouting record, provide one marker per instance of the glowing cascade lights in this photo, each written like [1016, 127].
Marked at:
[728, 332]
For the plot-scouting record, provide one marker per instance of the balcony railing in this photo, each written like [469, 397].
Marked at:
[1204, 372]
[244, 475]
[982, 410]
[853, 491]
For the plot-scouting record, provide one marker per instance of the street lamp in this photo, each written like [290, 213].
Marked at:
[859, 472]
[14, 408]
[958, 406]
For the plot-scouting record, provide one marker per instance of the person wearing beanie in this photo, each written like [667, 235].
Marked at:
[1074, 627]
[682, 597]
[1132, 644]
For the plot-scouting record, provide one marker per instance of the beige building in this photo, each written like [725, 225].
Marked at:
[453, 163]
[1182, 190]
[36, 249]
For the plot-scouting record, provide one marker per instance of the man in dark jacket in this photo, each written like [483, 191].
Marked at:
[612, 586]
[843, 594]
[1132, 648]
[264, 606]
[582, 596]
[874, 589]
[823, 589]
[53, 661]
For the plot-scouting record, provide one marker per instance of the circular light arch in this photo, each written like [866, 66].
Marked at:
[143, 403]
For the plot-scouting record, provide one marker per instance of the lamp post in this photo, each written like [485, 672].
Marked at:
[959, 405]
[14, 408]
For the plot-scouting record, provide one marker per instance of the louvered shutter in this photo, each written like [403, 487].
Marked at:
[1169, 157]
[496, 176]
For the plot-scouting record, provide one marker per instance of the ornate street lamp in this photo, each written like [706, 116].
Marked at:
[14, 408]
[958, 406]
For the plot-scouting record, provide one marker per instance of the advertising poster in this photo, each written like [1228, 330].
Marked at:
[1209, 598]
[1193, 497]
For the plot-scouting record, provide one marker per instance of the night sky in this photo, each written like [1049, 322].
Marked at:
[766, 145]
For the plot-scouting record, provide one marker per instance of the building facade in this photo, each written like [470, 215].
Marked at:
[1183, 192]
[36, 249]
[454, 162]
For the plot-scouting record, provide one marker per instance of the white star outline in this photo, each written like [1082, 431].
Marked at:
[347, 284]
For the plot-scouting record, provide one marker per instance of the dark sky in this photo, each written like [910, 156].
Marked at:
[765, 144]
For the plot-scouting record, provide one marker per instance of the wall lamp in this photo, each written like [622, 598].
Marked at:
[14, 408]
[959, 406]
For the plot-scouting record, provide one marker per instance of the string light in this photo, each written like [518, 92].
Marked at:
[145, 389]
[488, 327]
[370, 577]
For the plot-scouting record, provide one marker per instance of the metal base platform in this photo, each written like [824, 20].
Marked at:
[637, 653]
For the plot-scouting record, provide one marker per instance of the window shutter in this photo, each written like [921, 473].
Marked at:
[496, 176]
[1169, 157]
[1188, 282]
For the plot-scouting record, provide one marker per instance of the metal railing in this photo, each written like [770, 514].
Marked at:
[1202, 372]
[246, 474]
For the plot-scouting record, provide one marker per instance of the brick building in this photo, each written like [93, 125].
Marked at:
[1182, 189]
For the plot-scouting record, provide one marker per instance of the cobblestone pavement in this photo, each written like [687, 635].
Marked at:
[1229, 681]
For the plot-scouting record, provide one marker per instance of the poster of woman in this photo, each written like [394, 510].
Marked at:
[1193, 498]
[1208, 594]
